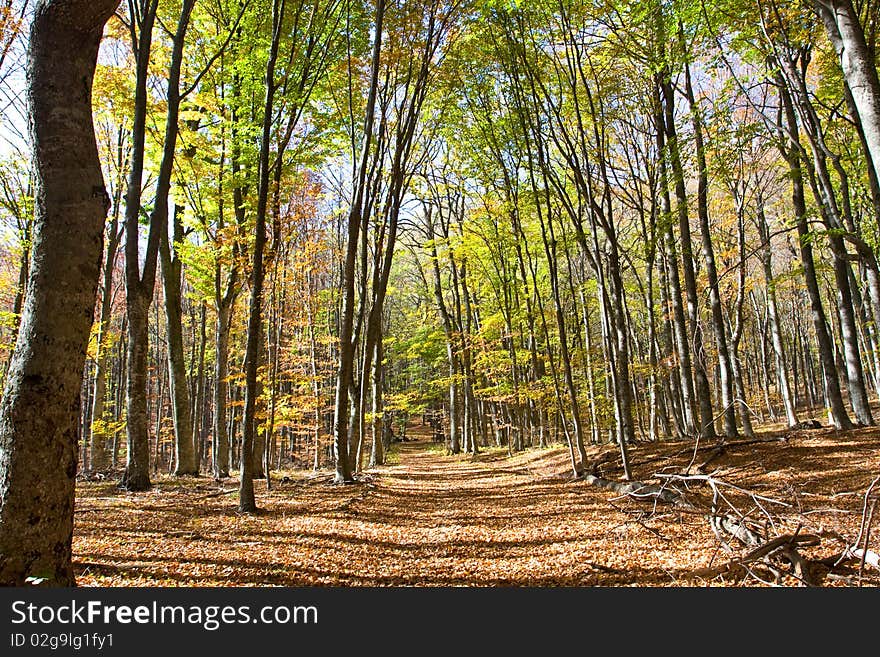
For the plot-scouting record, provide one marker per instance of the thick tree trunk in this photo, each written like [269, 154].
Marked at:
[137, 465]
[39, 414]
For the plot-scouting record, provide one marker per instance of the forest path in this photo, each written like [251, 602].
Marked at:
[431, 520]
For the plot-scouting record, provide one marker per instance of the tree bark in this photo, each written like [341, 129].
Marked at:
[138, 285]
[39, 414]
[701, 381]
[345, 370]
[789, 147]
[848, 38]
[172, 275]
[718, 322]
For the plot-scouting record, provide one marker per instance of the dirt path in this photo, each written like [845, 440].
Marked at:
[428, 520]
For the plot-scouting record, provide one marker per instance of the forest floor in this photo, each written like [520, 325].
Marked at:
[429, 519]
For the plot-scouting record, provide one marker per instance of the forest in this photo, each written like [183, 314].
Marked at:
[439, 292]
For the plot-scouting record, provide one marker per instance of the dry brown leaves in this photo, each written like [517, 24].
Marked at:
[436, 520]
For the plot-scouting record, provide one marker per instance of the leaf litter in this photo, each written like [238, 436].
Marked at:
[492, 520]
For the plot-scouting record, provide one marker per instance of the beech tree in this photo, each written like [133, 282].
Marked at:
[139, 280]
[39, 414]
[859, 68]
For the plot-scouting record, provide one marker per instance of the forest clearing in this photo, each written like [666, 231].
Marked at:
[493, 520]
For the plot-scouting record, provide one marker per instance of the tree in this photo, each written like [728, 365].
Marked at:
[848, 38]
[311, 30]
[789, 147]
[246, 500]
[139, 281]
[345, 370]
[39, 414]
[184, 450]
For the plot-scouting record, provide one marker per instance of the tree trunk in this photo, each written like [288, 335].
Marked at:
[773, 317]
[701, 381]
[99, 434]
[824, 193]
[199, 420]
[172, 275]
[789, 147]
[246, 500]
[848, 38]
[137, 465]
[377, 455]
[718, 322]
[138, 285]
[345, 370]
[679, 322]
[736, 332]
[39, 414]
[221, 372]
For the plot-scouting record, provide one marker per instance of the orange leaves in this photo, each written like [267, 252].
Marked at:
[434, 520]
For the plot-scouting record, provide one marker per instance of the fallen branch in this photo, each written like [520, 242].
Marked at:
[870, 557]
[800, 566]
[737, 566]
[736, 528]
[639, 490]
[716, 483]
[219, 493]
[696, 449]
[865, 529]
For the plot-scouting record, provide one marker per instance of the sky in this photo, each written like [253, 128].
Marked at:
[13, 104]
